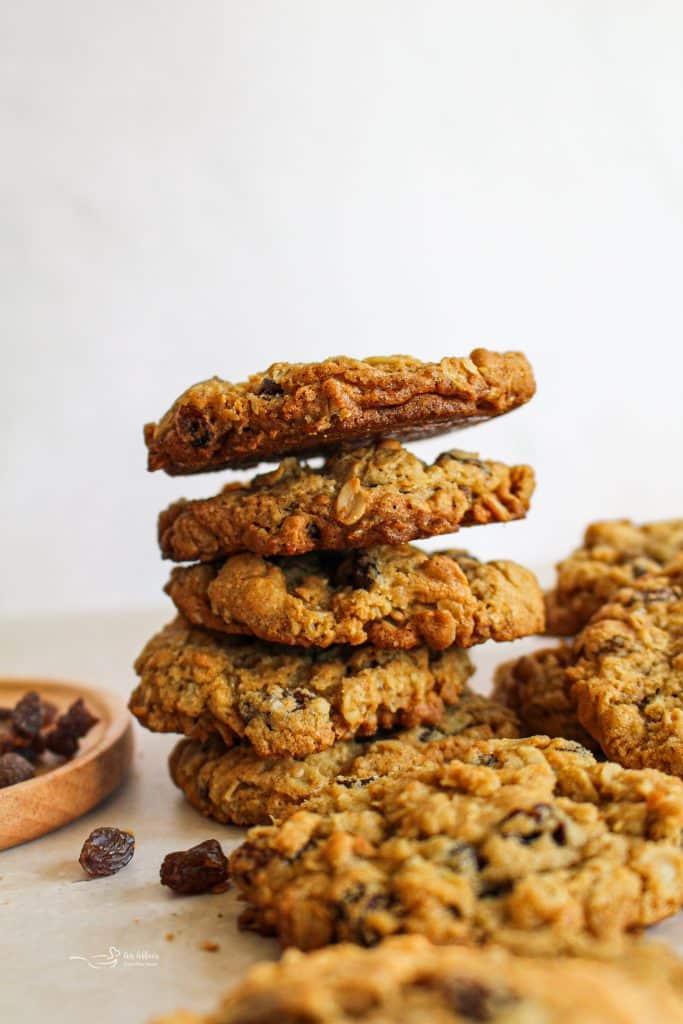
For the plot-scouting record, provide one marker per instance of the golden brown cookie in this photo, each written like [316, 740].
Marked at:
[529, 843]
[284, 701]
[407, 980]
[615, 554]
[537, 688]
[387, 596]
[359, 497]
[239, 787]
[303, 408]
[628, 675]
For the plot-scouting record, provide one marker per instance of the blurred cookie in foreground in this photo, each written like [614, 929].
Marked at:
[406, 980]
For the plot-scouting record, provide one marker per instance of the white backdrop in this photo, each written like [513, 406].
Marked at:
[203, 188]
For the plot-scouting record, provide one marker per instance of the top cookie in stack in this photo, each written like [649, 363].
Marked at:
[304, 408]
[308, 621]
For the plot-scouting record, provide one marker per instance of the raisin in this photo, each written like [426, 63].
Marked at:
[270, 388]
[14, 768]
[354, 893]
[494, 890]
[106, 851]
[203, 868]
[361, 571]
[71, 726]
[476, 1001]
[462, 858]
[528, 826]
[351, 782]
[5, 713]
[611, 646]
[49, 712]
[301, 699]
[193, 427]
[27, 716]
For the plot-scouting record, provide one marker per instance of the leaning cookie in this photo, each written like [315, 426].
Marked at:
[357, 498]
[627, 676]
[537, 688]
[236, 786]
[284, 701]
[387, 596]
[529, 843]
[615, 554]
[407, 980]
[302, 409]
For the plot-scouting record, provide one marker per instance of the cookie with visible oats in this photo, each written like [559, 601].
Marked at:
[407, 980]
[627, 676]
[615, 553]
[303, 408]
[359, 497]
[236, 786]
[285, 701]
[387, 596]
[530, 844]
[537, 688]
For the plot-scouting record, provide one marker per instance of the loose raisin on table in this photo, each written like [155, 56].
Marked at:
[106, 851]
[14, 768]
[203, 868]
[70, 728]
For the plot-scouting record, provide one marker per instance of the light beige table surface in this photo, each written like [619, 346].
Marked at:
[49, 914]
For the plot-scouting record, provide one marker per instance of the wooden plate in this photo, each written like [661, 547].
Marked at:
[64, 793]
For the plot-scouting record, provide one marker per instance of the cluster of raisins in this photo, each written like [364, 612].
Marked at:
[33, 727]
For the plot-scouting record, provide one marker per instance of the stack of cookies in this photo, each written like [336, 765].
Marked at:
[313, 642]
[318, 670]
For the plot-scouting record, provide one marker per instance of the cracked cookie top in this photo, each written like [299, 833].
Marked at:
[387, 596]
[304, 408]
[237, 786]
[407, 980]
[358, 497]
[287, 701]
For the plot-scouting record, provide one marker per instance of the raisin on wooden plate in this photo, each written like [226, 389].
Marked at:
[70, 728]
[14, 768]
[106, 851]
[203, 868]
[27, 716]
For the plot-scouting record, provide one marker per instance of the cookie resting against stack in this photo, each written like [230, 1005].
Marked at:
[617, 686]
[312, 641]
